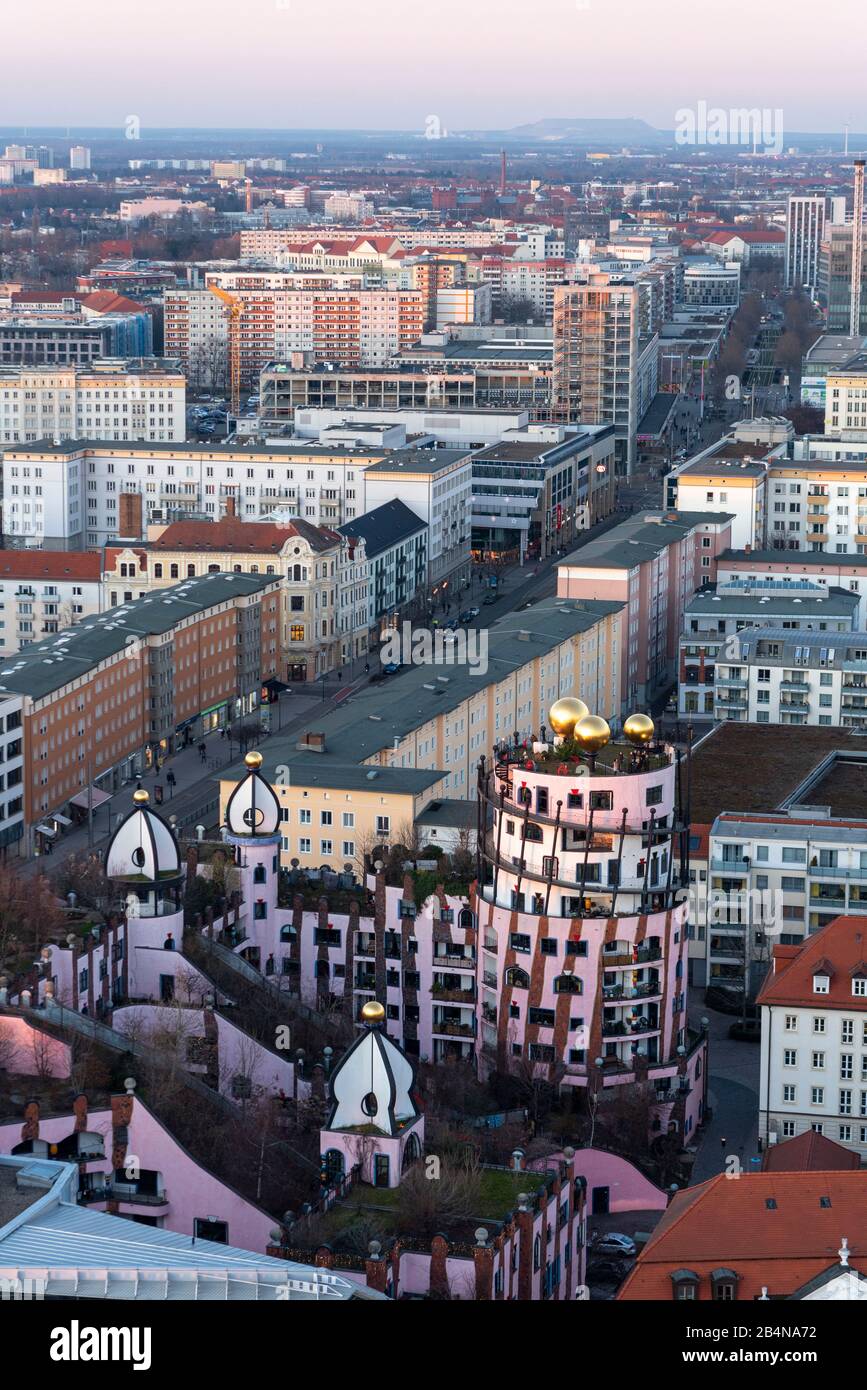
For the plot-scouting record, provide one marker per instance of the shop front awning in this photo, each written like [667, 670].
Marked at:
[61, 820]
[98, 798]
[46, 830]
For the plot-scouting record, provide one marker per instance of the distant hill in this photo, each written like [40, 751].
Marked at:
[588, 130]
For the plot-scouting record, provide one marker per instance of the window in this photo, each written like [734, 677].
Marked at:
[791, 1023]
[519, 941]
[820, 984]
[789, 1095]
[817, 1095]
[859, 985]
[819, 1023]
[568, 984]
[818, 1061]
[208, 1228]
[790, 1057]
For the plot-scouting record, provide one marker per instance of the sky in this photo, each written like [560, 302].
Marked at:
[389, 64]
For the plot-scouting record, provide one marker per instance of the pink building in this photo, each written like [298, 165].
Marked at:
[532, 1246]
[653, 563]
[582, 922]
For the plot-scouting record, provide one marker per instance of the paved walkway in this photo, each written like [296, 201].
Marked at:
[733, 1096]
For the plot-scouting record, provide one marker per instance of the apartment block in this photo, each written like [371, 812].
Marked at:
[652, 564]
[814, 1030]
[42, 592]
[815, 567]
[142, 398]
[604, 370]
[325, 583]
[356, 327]
[719, 611]
[776, 676]
[104, 700]
[805, 230]
[86, 484]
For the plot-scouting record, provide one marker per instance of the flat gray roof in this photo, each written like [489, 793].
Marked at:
[638, 538]
[70, 654]
[798, 559]
[825, 603]
[370, 720]
[418, 460]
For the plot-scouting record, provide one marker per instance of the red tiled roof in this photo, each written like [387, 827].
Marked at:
[231, 533]
[838, 950]
[809, 1152]
[108, 302]
[50, 564]
[727, 1223]
[112, 552]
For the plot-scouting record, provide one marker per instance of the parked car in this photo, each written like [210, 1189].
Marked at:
[488, 600]
[614, 1243]
[468, 615]
[391, 668]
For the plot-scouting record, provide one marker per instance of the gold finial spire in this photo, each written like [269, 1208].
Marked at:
[141, 797]
[253, 761]
[565, 713]
[639, 728]
[592, 733]
[373, 1012]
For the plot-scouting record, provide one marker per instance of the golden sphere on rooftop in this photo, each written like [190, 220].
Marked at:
[373, 1012]
[141, 797]
[254, 761]
[639, 728]
[592, 733]
[565, 713]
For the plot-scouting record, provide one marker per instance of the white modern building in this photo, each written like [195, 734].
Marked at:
[805, 228]
[45, 591]
[719, 611]
[814, 1038]
[707, 284]
[772, 675]
[143, 398]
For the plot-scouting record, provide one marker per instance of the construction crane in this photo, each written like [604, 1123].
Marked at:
[236, 309]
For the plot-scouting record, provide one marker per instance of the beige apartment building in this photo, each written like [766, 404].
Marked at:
[112, 398]
[336, 815]
[325, 596]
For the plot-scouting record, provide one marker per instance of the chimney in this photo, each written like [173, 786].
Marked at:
[130, 525]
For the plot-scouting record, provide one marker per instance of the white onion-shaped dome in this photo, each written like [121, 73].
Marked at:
[372, 1085]
[142, 849]
[253, 808]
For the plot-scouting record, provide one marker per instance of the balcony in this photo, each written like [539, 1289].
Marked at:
[639, 1027]
[739, 867]
[637, 957]
[453, 1030]
[443, 994]
[455, 962]
[614, 994]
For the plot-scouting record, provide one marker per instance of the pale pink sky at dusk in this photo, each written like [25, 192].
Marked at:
[390, 63]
